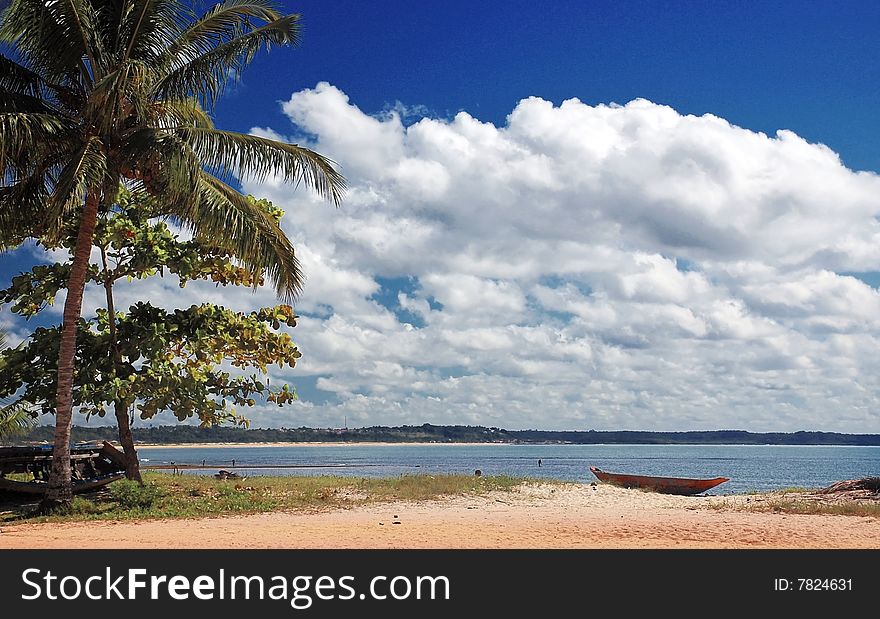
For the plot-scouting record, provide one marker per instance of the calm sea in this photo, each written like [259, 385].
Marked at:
[749, 467]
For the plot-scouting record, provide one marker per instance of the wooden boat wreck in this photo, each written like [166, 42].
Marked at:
[92, 465]
[224, 474]
[666, 485]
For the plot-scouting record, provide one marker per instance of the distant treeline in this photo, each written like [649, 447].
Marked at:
[428, 433]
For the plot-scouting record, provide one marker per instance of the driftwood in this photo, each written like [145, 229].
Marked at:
[223, 474]
[871, 484]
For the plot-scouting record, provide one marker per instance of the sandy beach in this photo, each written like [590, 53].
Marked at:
[535, 516]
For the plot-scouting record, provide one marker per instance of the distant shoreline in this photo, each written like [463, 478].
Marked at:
[447, 435]
[454, 444]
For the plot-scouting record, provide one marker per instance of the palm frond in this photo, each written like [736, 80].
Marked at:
[21, 103]
[55, 37]
[16, 78]
[28, 126]
[114, 97]
[111, 15]
[79, 19]
[205, 74]
[222, 22]
[172, 113]
[227, 153]
[15, 419]
[22, 132]
[22, 210]
[228, 219]
[149, 27]
[164, 164]
[86, 171]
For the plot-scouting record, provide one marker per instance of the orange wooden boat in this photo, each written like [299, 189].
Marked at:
[666, 485]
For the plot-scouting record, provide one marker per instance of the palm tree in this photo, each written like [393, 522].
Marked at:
[98, 92]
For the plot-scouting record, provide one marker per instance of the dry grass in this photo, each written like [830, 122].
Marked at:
[192, 496]
[802, 501]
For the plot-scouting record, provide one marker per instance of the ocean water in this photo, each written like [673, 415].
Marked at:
[751, 468]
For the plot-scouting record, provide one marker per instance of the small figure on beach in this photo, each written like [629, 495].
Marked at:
[233, 463]
[203, 463]
[539, 461]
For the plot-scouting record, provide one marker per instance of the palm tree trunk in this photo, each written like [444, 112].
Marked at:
[59, 494]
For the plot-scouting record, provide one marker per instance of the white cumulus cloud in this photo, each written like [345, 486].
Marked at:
[606, 267]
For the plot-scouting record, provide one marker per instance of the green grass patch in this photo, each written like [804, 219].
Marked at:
[786, 490]
[795, 490]
[193, 496]
[19, 476]
[130, 495]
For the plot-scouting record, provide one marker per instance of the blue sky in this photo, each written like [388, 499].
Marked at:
[597, 215]
[812, 67]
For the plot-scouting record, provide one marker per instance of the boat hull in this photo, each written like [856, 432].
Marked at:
[666, 485]
[92, 466]
[39, 487]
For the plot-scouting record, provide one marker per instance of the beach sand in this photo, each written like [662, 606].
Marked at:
[535, 516]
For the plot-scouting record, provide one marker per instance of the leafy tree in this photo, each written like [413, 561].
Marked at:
[149, 359]
[98, 92]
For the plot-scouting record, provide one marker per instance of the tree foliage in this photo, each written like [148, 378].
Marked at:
[186, 361]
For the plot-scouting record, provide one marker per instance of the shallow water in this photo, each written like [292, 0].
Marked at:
[749, 467]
